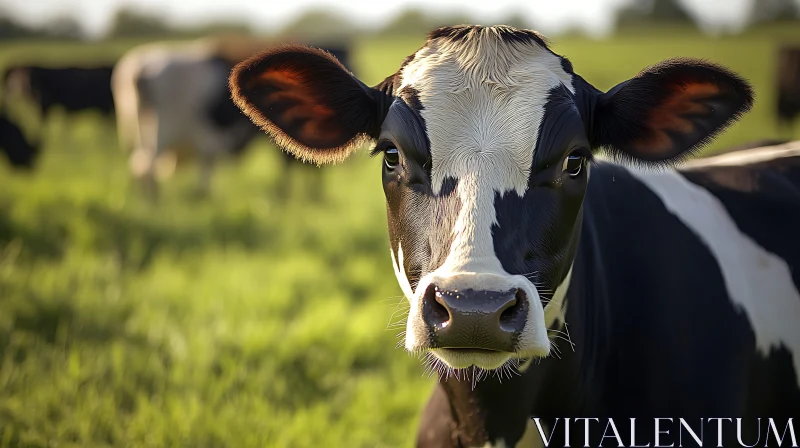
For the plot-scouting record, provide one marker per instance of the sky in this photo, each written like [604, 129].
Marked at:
[550, 16]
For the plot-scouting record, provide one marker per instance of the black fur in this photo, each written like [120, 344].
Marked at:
[73, 88]
[19, 152]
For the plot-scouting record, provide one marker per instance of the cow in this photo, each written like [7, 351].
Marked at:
[788, 83]
[21, 153]
[173, 104]
[74, 89]
[558, 260]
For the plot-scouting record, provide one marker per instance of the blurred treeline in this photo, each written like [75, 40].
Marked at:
[321, 23]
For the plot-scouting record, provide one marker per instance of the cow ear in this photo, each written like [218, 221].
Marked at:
[308, 102]
[668, 111]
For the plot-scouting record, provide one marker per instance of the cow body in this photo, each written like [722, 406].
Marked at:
[173, 103]
[788, 93]
[614, 289]
[72, 88]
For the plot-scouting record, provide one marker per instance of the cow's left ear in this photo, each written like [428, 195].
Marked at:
[668, 111]
[308, 102]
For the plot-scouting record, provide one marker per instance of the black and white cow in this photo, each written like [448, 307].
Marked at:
[72, 88]
[677, 291]
[173, 104]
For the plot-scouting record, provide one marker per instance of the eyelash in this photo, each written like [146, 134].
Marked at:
[380, 147]
[583, 152]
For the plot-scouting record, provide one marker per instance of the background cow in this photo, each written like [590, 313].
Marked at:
[788, 101]
[677, 290]
[18, 150]
[72, 88]
[173, 104]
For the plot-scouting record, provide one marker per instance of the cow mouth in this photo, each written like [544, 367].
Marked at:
[461, 358]
[470, 351]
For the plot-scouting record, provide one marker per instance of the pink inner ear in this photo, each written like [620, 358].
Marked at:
[283, 79]
[685, 99]
[294, 104]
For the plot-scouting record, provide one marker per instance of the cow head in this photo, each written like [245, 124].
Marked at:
[486, 137]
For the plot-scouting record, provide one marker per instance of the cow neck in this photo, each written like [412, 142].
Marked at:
[494, 409]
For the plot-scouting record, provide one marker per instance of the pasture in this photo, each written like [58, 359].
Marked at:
[246, 319]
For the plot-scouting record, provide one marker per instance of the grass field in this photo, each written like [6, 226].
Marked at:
[247, 319]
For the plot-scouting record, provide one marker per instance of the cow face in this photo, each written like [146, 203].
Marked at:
[486, 138]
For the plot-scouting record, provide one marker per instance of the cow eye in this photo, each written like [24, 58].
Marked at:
[573, 164]
[391, 157]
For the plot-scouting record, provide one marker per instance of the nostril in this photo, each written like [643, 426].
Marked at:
[434, 310]
[513, 317]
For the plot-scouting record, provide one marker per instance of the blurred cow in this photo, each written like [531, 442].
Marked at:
[73, 88]
[172, 101]
[788, 104]
[173, 104]
[19, 152]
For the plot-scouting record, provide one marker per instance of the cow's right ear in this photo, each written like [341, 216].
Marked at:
[308, 102]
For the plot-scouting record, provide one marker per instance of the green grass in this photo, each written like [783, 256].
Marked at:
[248, 319]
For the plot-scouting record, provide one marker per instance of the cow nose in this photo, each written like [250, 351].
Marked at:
[475, 319]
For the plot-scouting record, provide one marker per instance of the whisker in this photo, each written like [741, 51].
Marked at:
[568, 341]
[556, 350]
[566, 328]
[402, 339]
[391, 298]
[396, 318]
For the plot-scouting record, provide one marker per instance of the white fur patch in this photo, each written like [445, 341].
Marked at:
[483, 103]
[758, 282]
[400, 271]
[748, 156]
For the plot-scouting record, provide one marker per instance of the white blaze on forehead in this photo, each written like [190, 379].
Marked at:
[483, 103]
